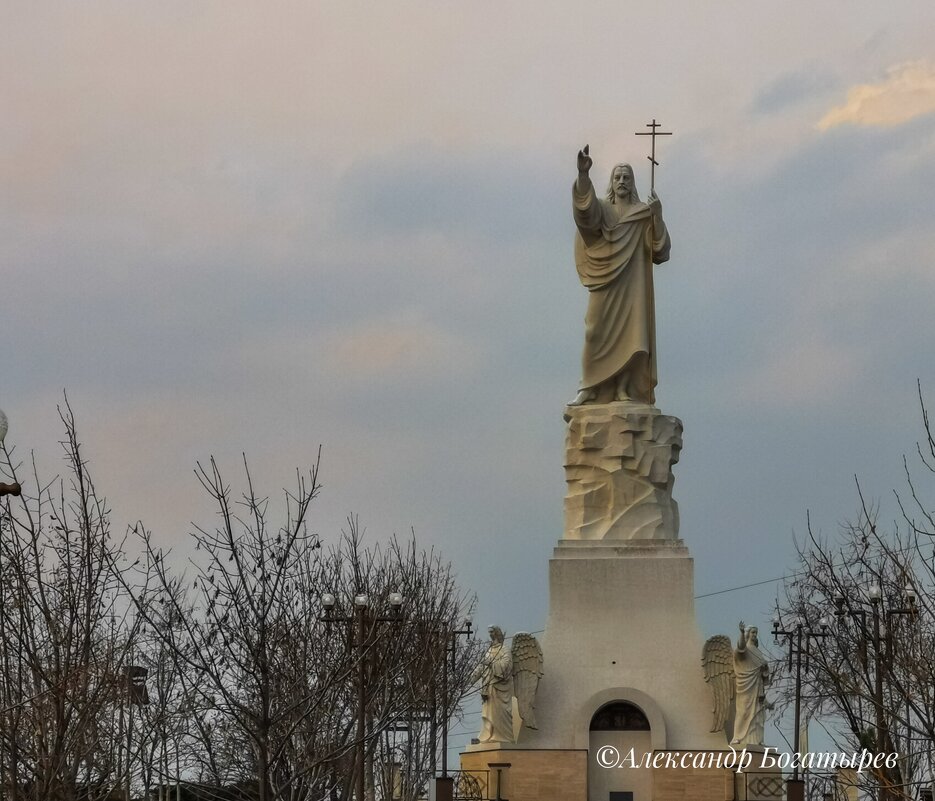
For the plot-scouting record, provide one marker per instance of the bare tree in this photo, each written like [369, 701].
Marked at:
[406, 682]
[281, 686]
[244, 610]
[64, 634]
[253, 691]
[871, 590]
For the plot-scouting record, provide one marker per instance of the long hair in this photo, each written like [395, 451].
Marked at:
[634, 195]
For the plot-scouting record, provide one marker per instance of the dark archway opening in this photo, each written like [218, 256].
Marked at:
[619, 716]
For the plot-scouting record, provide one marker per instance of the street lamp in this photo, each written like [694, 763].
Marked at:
[359, 622]
[882, 641]
[134, 693]
[14, 488]
[443, 784]
[795, 787]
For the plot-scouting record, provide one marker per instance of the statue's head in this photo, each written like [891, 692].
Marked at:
[496, 633]
[752, 635]
[622, 184]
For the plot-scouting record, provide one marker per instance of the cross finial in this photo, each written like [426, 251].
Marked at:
[652, 157]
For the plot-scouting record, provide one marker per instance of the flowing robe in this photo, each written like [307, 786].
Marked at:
[496, 677]
[614, 253]
[750, 671]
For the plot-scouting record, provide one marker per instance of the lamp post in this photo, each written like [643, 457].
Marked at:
[14, 488]
[443, 784]
[882, 650]
[133, 680]
[359, 621]
[794, 636]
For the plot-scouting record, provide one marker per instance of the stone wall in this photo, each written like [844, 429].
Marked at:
[547, 775]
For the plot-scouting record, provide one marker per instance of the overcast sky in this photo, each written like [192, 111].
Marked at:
[232, 227]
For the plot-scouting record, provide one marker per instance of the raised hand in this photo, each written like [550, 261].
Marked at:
[655, 206]
[584, 160]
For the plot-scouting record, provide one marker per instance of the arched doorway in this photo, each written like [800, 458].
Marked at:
[619, 733]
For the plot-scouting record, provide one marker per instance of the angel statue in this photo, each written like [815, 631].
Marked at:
[738, 678]
[502, 674]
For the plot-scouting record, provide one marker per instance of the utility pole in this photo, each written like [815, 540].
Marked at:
[444, 789]
[360, 622]
[882, 656]
[795, 787]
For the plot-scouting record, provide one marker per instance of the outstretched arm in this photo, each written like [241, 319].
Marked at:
[742, 639]
[583, 184]
[586, 208]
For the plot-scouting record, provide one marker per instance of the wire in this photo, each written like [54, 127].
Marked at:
[745, 586]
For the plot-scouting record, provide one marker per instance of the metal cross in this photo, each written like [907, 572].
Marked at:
[652, 158]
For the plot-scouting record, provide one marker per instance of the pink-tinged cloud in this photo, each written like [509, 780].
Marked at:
[907, 92]
[398, 346]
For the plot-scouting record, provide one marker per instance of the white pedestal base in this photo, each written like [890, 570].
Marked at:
[622, 627]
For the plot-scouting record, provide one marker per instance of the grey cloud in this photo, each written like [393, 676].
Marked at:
[161, 241]
[803, 84]
[499, 195]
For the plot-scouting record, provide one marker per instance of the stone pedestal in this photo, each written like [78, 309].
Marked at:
[694, 784]
[618, 466]
[621, 631]
[622, 627]
[523, 774]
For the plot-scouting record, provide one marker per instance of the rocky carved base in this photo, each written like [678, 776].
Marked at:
[618, 466]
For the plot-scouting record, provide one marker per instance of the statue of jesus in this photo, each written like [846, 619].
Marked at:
[619, 239]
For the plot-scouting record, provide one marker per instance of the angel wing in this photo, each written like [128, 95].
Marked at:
[527, 669]
[717, 658]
